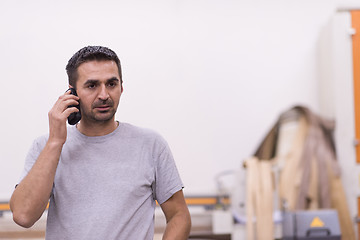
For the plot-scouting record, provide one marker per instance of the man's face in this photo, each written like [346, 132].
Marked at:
[99, 89]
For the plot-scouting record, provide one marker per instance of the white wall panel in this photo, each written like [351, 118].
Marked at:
[210, 76]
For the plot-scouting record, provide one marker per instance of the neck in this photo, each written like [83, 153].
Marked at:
[93, 129]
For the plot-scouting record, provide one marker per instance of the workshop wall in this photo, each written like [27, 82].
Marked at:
[211, 76]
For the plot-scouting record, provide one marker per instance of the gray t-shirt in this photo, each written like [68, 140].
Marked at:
[105, 187]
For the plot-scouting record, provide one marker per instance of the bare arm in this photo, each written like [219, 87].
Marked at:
[178, 221]
[31, 196]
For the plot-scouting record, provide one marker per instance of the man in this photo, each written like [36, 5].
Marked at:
[102, 176]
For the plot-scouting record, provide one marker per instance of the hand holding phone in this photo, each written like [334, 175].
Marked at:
[76, 116]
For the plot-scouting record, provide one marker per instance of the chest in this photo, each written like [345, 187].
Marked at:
[115, 170]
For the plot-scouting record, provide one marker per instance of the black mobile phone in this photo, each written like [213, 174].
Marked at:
[75, 117]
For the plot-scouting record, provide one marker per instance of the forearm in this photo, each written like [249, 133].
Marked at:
[31, 196]
[178, 227]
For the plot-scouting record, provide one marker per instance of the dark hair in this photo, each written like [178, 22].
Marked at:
[90, 53]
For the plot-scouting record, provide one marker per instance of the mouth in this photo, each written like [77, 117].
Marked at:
[103, 108]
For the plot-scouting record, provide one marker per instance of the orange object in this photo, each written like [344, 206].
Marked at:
[355, 22]
[4, 206]
[355, 16]
[211, 201]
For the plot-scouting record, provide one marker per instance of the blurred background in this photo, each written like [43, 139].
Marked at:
[210, 76]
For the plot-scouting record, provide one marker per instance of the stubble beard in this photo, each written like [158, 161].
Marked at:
[103, 117]
[100, 117]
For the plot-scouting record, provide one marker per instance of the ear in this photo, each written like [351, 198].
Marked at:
[70, 86]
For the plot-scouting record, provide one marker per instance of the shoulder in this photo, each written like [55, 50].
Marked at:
[40, 141]
[130, 130]
[148, 135]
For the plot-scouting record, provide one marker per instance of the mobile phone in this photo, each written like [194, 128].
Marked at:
[75, 117]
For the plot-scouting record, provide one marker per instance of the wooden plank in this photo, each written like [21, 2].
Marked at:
[289, 160]
[265, 225]
[251, 189]
[338, 201]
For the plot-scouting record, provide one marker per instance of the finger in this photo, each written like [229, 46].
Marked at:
[66, 98]
[69, 102]
[64, 104]
[68, 94]
[69, 111]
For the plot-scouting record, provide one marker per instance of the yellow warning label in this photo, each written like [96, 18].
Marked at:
[316, 222]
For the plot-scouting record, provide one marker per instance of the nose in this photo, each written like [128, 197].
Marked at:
[103, 93]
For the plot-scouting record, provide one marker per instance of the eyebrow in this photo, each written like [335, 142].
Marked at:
[113, 79]
[93, 81]
[90, 81]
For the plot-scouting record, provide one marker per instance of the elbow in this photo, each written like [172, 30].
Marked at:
[25, 214]
[21, 213]
[23, 220]
[21, 216]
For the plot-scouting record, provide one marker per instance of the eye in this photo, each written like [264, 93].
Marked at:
[91, 86]
[112, 84]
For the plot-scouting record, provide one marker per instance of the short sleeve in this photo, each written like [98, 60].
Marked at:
[34, 152]
[167, 178]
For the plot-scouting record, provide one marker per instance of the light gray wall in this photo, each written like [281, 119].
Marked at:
[211, 76]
